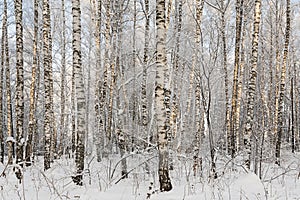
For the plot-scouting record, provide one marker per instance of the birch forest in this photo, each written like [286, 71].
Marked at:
[145, 99]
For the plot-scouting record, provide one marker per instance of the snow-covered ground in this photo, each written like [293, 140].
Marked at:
[100, 178]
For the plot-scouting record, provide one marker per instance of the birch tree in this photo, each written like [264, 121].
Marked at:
[277, 72]
[1, 83]
[20, 81]
[81, 104]
[98, 110]
[225, 67]
[176, 65]
[62, 81]
[145, 65]
[30, 135]
[8, 90]
[53, 146]
[252, 83]
[232, 135]
[113, 76]
[282, 82]
[197, 161]
[47, 82]
[104, 87]
[161, 65]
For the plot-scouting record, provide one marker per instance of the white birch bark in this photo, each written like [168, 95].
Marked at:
[47, 82]
[161, 64]
[79, 84]
[2, 82]
[62, 83]
[252, 83]
[20, 82]
[197, 160]
[30, 135]
[282, 82]
[232, 135]
[97, 134]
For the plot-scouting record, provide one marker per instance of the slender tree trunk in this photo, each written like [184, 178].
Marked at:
[199, 10]
[227, 106]
[37, 97]
[30, 135]
[121, 139]
[277, 54]
[47, 82]
[113, 77]
[99, 116]
[20, 82]
[293, 118]
[62, 83]
[252, 83]
[239, 18]
[161, 64]
[145, 65]
[103, 100]
[120, 121]
[240, 89]
[2, 81]
[134, 100]
[81, 104]
[169, 10]
[53, 146]
[282, 82]
[197, 37]
[74, 116]
[295, 99]
[176, 92]
[10, 144]
[271, 80]
[87, 96]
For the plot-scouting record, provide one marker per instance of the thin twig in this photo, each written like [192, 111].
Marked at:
[124, 175]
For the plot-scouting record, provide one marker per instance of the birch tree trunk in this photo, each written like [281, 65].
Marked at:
[62, 82]
[293, 117]
[47, 82]
[53, 146]
[225, 67]
[277, 72]
[113, 75]
[169, 10]
[81, 104]
[99, 117]
[271, 80]
[104, 87]
[240, 88]
[239, 16]
[10, 145]
[20, 82]
[120, 121]
[295, 107]
[161, 64]
[252, 83]
[112, 78]
[176, 92]
[31, 127]
[145, 65]
[282, 82]
[73, 111]
[197, 161]
[134, 99]
[2, 82]
[37, 97]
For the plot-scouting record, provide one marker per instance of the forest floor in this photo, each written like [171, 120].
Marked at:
[234, 182]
